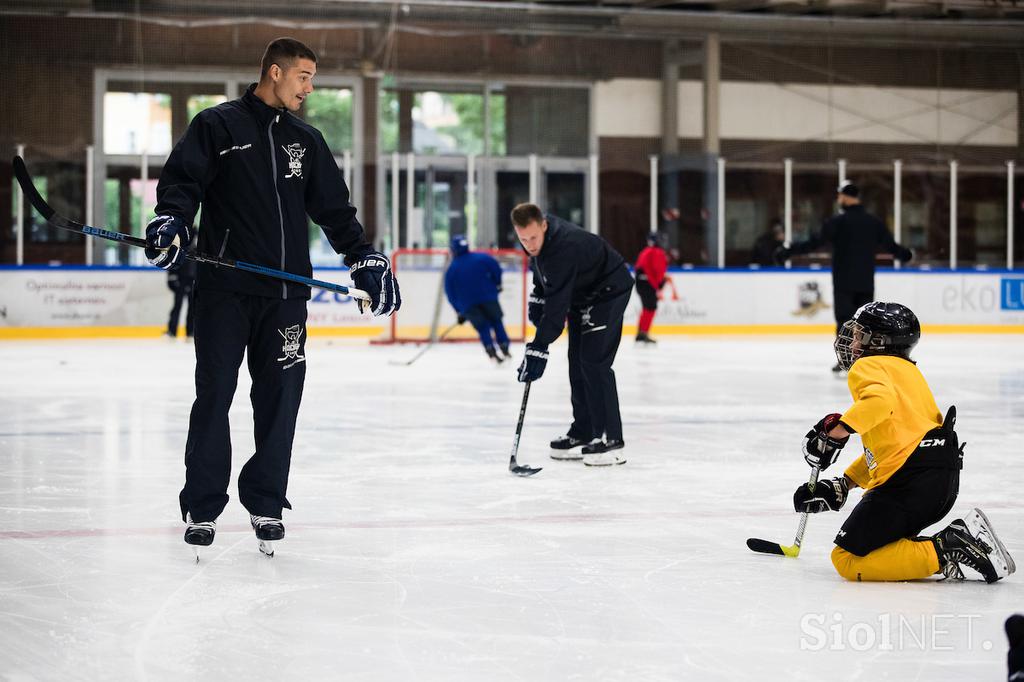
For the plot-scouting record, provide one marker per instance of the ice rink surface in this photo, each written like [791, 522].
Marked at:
[412, 553]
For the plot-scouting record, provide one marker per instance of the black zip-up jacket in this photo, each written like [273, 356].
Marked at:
[258, 172]
[855, 236]
[574, 269]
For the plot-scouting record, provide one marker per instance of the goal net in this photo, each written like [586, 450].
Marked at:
[425, 311]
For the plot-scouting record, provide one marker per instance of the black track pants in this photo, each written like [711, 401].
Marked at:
[273, 332]
[846, 303]
[594, 336]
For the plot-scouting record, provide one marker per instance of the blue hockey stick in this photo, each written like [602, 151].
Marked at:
[57, 220]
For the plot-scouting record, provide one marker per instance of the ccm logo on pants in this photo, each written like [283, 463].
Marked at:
[932, 442]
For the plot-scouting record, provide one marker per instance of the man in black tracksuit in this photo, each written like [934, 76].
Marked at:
[257, 170]
[855, 236]
[577, 275]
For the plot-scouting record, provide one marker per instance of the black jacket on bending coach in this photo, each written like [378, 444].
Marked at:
[574, 269]
[586, 283]
[245, 158]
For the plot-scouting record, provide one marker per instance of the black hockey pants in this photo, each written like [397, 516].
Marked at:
[273, 334]
[594, 335]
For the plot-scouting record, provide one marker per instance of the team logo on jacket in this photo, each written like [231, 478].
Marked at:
[290, 348]
[295, 153]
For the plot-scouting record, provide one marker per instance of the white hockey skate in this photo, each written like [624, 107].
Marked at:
[980, 527]
[268, 530]
[972, 542]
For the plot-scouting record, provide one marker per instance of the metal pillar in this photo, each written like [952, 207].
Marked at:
[594, 206]
[654, 194]
[19, 230]
[90, 181]
[533, 178]
[952, 214]
[897, 205]
[396, 159]
[1010, 169]
[720, 210]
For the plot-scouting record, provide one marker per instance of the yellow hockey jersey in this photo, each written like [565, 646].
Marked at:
[893, 409]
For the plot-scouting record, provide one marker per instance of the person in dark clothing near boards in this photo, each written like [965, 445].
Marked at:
[258, 171]
[180, 282]
[579, 277]
[855, 237]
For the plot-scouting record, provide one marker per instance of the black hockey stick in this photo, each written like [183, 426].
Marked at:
[768, 547]
[57, 220]
[514, 466]
[428, 346]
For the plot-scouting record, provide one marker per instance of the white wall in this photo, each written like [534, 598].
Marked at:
[791, 111]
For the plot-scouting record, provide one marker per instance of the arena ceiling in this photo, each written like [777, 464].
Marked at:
[906, 22]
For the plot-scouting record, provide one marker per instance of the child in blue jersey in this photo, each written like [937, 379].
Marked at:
[472, 284]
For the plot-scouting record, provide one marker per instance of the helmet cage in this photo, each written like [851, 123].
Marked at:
[852, 340]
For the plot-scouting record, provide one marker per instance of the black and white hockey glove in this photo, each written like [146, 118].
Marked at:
[372, 273]
[167, 236]
[820, 449]
[534, 362]
[827, 495]
[535, 309]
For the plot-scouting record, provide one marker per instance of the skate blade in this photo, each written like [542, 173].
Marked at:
[267, 547]
[614, 461]
[1005, 566]
[195, 548]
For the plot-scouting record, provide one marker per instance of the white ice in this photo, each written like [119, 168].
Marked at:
[412, 553]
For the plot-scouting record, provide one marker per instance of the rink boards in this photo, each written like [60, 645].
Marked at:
[98, 301]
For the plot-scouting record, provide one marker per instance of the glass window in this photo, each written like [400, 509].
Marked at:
[197, 103]
[136, 122]
[981, 220]
[329, 110]
[926, 216]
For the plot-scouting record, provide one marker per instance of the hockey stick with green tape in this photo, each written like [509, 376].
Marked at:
[769, 547]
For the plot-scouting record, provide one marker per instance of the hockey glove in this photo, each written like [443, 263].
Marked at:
[534, 362]
[166, 239]
[461, 319]
[820, 449]
[535, 309]
[827, 495]
[372, 273]
[905, 255]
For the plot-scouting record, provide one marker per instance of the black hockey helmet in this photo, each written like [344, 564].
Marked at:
[878, 329]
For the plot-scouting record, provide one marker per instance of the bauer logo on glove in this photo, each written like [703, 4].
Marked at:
[372, 273]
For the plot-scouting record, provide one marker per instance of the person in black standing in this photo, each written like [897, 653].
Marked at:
[855, 237]
[577, 275]
[258, 171]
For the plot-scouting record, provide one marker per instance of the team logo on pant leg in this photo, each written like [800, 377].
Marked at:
[295, 153]
[290, 349]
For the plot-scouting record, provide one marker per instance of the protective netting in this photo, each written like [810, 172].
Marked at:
[445, 117]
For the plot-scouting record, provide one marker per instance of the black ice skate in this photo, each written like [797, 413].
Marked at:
[199, 534]
[562, 446]
[972, 542]
[505, 352]
[493, 355]
[644, 337]
[268, 530]
[599, 453]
